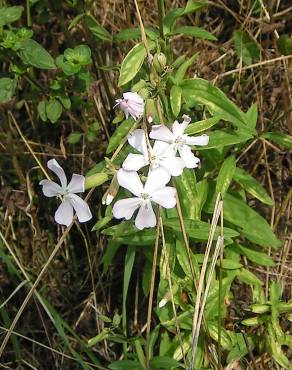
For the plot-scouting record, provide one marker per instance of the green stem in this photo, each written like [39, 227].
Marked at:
[28, 15]
[161, 14]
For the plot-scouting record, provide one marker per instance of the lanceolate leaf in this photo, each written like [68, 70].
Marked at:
[253, 226]
[182, 69]
[251, 185]
[133, 62]
[198, 229]
[120, 133]
[196, 32]
[225, 175]
[175, 100]
[171, 17]
[199, 91]
[195, 127]
[255, 256]
[279, 138]
[225, 137]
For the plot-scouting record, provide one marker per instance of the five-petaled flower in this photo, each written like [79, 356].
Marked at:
[67, 193]
[179, 141]
[158, 156]
[132, 104]
[154, 190]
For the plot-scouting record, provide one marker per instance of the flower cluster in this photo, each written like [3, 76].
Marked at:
[169, 155]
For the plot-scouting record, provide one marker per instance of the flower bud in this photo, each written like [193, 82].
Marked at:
[151, 112]
[95, 180]
[159, 62]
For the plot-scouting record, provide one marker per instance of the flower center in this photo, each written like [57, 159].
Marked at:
[144, 196]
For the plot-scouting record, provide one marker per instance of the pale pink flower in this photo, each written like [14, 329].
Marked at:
[132, 104]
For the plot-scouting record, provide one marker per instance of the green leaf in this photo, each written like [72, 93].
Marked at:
[7, 89]
[53, 110]
[127, 233]
[192, 31]
[171, 17]
[199, 91]
[81, 54]
[74, 137]
[96, 29]
[42, 110]
[175, 99]
[192, 194]
[133, 62]
[182, 69]
[252, 116]
[164, 362]
[284, 44]
[253, 226]
[198, 229]
[224, 137]
[255, 256]
[32, 53]
[252, 186]
[279, 138]
[125, 365]
[199, 126]
[10, 14]
[248, 277]
[120, 134]
[225, 175]
[128, 34]
[229, 264]
[129, 263]
[245, 47]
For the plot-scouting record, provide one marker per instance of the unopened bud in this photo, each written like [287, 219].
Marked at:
[151, 112]
[111, 192]
[159, 62]
[95, 180]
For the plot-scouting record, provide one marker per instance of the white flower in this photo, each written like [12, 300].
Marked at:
[160, 155]
[132, 104]
[70, 201]
[154, 190]
[179, 141]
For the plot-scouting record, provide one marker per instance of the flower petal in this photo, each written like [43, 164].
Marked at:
[130, 180]
[64, 213]
[165, 197]
[160, 147]
[125, 208]
[197, 140]
[54, 166]
[50, 188]
[145, 217]
[174, 165]
[179, 128]
[188, 157]
[77, 184]
[134, 162]
[138, 141]
[161, 132]
[133, 97]
[80, 206]
[157, 179]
